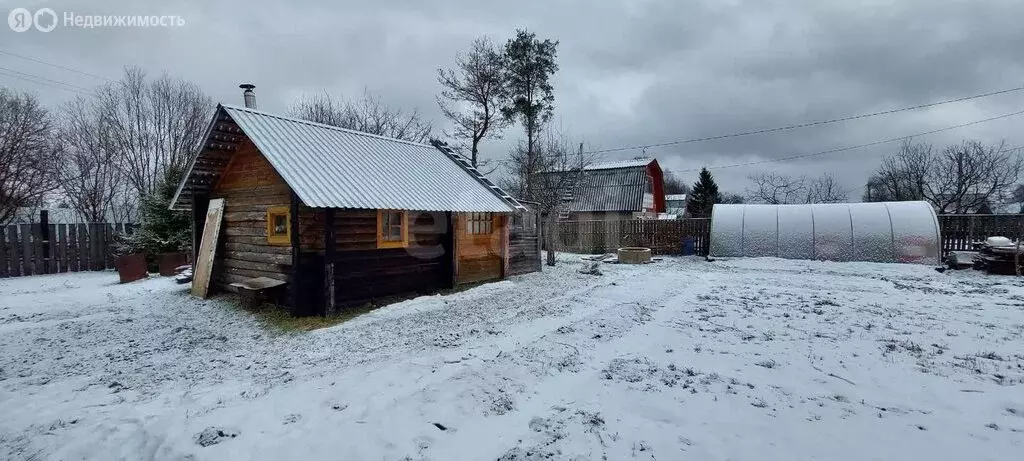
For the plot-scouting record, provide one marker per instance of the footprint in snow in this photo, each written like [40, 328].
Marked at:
[214, 435]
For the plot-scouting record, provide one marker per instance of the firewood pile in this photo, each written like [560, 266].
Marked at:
[997, 255]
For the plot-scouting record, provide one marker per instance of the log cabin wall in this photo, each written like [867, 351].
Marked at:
[480, 255]
[249, 186]
[363, 272]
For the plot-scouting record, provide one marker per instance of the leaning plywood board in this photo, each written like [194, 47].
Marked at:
[207, 248]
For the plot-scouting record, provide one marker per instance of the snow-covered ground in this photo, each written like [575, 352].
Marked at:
[760, 359]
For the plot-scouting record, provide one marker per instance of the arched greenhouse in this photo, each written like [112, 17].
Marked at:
[904, 232]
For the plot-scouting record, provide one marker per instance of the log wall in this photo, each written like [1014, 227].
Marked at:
[249, 186]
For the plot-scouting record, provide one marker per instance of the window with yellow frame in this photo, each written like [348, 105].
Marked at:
[279, 226]
[392, 229]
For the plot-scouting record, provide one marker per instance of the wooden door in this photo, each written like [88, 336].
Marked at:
[205, 256]
[480, 244]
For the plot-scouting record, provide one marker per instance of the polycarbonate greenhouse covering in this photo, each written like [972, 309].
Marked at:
[903, 232]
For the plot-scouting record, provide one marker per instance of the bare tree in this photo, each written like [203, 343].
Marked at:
[27, 159]
[369, 114]
[728, 198]
[545, 175]
[971, 176]
[675, 185]
[778, 189]
[902, 176]
[825, 189]
[961, 178]
[89, 176]
[153, 125]
[472, 94]
[1017, 197]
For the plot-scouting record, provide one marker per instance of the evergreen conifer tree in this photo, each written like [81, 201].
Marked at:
[703, 195]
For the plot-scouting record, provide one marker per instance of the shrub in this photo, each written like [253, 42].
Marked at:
[161, 230]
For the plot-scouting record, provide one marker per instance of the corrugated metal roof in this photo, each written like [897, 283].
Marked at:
[619, 189]
[619, 164]
[334, 167]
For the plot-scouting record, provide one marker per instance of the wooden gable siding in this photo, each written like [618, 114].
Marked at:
[363, 272]
[480, 257]
[249, 186]
[656, 175]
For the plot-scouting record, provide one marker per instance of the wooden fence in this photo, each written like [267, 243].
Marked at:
[960, 231]
[661, 236]
[33, 249]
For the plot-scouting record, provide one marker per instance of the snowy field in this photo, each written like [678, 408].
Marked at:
[759, 359]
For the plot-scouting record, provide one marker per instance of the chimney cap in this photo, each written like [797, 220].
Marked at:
[247, 86]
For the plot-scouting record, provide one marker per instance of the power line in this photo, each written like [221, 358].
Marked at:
[27, 58]
[40, 77]
[861, 146]
[40, 82]
[807, 124]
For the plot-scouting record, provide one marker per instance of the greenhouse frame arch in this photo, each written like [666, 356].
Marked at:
[903, 232]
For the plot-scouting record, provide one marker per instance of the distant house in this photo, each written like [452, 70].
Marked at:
[968, 204]
[345, 217]
[616, 190]
[675, 204]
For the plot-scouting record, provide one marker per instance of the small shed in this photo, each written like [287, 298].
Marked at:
[904, 232]
[675, 204]
[344, 217]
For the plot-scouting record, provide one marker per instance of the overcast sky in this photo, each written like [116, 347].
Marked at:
[631, 72]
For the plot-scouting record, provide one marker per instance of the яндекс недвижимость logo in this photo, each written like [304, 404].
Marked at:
[45, 20]
[21, 19]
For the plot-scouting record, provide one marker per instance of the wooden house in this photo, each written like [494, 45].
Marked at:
[615, 190]
[345, 217]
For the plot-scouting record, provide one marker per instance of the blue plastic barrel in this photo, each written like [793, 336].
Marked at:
[688, 248]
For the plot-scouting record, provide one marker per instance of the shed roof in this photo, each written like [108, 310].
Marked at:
[613, 189]
[332, 167]
[619, 164]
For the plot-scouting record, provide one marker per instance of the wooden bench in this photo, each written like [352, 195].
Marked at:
[257, 290]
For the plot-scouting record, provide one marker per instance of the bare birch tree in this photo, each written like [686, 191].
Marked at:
[27, 160]
[153, 125]
[472, 96]
[368, 114]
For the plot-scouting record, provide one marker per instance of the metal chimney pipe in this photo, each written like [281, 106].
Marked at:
[250, 97]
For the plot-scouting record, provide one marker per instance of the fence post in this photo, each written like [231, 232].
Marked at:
[3, 251]
[44, 238]
[26, 249]
[62, 247]
[14, 250]
[83, 247]
[96, 245]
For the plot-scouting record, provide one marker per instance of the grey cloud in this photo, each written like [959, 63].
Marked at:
[631, 72]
